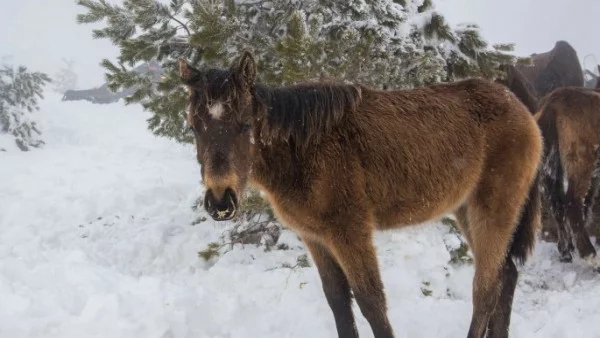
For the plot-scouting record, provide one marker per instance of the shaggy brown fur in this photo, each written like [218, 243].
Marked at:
[339, 162]
[570, 119]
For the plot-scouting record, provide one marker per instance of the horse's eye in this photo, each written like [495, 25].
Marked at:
[245, 127]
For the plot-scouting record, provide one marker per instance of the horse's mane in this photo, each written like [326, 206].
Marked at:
[305, 112]
[521, 87]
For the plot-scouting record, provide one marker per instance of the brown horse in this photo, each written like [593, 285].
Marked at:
[570, 120]
[572, 106]
[340, 161]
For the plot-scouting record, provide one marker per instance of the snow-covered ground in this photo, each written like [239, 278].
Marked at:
[96, 240]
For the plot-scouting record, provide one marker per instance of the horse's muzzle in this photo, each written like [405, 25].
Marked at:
[222, 209]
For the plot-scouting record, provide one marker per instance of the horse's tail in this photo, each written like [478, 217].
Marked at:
[523, 240]
[531, 215]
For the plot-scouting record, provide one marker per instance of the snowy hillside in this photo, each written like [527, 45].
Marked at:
[96, 240]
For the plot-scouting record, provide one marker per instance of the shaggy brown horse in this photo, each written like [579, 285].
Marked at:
[340, 161]
[572, 106]
[570, 120]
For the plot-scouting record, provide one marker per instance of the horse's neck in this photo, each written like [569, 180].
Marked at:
[276, 167]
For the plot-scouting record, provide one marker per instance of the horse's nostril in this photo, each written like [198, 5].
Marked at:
[222, 208]
[208, 201]
[230, 198]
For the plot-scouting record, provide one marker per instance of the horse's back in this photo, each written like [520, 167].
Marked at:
[572, 110]
[570, 119]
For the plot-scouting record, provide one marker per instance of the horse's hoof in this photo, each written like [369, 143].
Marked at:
[566, 258]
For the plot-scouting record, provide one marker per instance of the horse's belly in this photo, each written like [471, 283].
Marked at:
[417, 212]
[418, 203]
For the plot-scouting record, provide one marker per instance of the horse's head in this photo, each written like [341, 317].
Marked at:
[220, 113]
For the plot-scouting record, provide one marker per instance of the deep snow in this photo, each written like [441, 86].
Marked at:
[96, 240]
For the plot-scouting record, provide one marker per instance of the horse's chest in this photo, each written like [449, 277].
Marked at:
[294, 215]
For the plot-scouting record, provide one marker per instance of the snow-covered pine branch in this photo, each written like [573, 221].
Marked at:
[19, 94]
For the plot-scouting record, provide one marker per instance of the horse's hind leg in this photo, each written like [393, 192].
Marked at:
[575, 214]
[499, 321]
[554, 192]
[590, 206]
[594, 221]
[579, 159]
[336, 288]
[590, 200]
[580, 163]
[489, 235]
[493, 211]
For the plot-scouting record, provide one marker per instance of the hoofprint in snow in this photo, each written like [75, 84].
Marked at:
[97, 241]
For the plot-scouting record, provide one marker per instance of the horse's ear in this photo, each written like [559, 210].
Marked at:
[246, 71]
[187, 73]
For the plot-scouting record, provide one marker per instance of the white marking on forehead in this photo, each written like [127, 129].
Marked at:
[216, 110]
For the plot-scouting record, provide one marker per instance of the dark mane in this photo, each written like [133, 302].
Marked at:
[520, 86]
[304, 112]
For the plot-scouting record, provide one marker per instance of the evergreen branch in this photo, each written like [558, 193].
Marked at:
[97, 11]
[504, 47]
[187, 30]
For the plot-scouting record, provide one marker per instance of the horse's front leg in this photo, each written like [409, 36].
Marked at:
[354, 250]
[336, 288]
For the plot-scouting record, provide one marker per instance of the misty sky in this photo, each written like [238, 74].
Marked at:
[533, 25]
[38, 33]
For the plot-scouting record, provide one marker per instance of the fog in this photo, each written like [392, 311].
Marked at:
[533, 25]
[38, 33]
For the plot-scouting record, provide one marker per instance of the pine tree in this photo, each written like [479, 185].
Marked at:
[19, 94]
[65, 79]
[382, 43]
